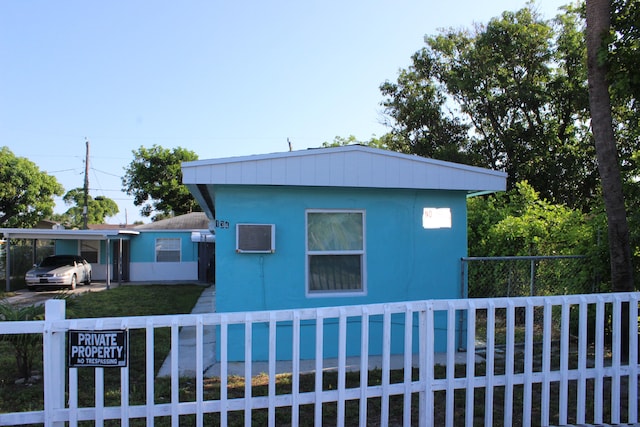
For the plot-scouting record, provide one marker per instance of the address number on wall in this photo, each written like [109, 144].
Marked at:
[221, 224]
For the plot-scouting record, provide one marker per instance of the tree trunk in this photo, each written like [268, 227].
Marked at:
[598, 25]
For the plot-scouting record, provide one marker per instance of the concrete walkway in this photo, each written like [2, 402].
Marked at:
[187, 340]
[328, 365]
[206, 304]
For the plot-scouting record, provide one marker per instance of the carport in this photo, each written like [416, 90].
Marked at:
[116, 236]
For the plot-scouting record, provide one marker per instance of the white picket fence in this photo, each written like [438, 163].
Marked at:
[530, 361]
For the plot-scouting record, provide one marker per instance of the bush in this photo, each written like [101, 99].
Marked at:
[25, 346]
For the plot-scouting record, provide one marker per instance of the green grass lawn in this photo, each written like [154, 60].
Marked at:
[118, 302]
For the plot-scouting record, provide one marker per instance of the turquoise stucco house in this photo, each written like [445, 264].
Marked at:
[334, 226]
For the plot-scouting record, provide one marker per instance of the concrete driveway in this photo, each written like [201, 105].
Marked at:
[24, 297]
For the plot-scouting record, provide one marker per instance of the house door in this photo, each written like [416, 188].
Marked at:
[206, 262]
[124, 267]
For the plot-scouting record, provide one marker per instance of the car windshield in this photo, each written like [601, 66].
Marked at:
[56, 262]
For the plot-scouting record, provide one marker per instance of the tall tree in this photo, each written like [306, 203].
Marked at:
[624, 43]
[509, 95]
[26, 193]
[598, 28]
[97, 209]
[154, 178]
[623, 63]
[420, 124]
[340, 141]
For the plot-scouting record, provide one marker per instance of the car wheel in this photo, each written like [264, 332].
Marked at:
[72, 286]
[88, 281]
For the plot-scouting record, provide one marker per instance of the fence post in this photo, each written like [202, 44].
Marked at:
[7, 267]
[532, 279]
[53, 363]
[464, 293]
[464, 290]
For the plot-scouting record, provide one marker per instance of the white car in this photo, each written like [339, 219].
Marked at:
[59, 270]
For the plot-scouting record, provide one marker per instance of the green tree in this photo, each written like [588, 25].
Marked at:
[25, 346]
[154, 178]
[623, 45]
[415, 107]
[97, 209]
[510, 95]
[520, 222]
[339, 141]
[27, 193]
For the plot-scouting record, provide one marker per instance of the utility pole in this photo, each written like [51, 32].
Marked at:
[85, 209]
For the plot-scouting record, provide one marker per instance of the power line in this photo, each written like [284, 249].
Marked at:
[63, 170]
[106, 189]
[106, 173]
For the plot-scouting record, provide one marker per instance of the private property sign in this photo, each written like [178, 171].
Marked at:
[98, 348]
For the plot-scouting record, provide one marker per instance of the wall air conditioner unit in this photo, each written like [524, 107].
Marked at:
[255, 238]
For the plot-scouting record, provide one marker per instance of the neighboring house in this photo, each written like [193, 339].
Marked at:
[174, 249]
[334, 226]
[182, 249]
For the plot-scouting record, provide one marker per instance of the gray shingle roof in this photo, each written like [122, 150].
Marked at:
[190, 221]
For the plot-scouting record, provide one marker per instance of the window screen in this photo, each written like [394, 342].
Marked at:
[168, 250]
[89, 250]
[335, 251]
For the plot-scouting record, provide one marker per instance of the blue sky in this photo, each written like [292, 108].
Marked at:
[221, 78]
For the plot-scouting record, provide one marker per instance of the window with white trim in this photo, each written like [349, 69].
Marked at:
[335, 251]
[168, 249]
[89, 250]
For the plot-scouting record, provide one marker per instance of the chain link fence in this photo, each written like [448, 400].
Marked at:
[23, 254]
[517, 276]
[3, 259]
[521, 276]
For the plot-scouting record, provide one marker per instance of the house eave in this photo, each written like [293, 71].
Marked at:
[352, 166]
[349, 166]
[43, 234]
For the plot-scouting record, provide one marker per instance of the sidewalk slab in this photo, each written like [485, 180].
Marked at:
[330, 365]
[187, 341]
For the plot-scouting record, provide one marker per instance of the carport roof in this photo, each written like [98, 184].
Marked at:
[46, 234]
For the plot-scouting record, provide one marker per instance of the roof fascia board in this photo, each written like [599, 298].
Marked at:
[35, 233]
[342, 149]
[267, 169]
